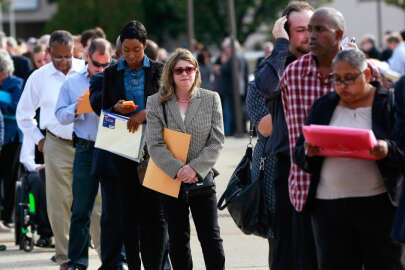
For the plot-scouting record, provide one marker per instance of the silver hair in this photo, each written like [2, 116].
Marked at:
[3, 40]
[353, 57]
[11, 42]
[334, 15]
[6, 63]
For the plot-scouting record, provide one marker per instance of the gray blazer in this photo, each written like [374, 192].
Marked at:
[203, 121]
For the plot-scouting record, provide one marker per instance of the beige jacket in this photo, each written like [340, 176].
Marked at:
[203, 121]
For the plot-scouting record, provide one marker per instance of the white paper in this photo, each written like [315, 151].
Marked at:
[116, 138]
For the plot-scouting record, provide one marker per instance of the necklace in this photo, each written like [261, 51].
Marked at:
[183, 101]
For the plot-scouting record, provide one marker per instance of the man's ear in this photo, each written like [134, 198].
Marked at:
[339, 34]
[367, 74]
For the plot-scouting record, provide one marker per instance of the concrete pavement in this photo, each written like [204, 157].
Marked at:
[241, 251]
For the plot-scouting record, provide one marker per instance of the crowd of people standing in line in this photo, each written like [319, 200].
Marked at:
[323, 209]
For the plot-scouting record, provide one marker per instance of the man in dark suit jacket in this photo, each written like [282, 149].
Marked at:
[22, 66]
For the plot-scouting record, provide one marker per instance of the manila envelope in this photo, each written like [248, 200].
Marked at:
[155, 178]
[84, 105]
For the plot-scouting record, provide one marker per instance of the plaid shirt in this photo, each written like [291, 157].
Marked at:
[302, 84]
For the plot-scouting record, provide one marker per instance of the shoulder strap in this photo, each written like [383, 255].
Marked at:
[164, 113]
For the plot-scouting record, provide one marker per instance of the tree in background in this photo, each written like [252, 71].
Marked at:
[166, 19]
[398, 3]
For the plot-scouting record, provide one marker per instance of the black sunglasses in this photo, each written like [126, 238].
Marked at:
[97, 64]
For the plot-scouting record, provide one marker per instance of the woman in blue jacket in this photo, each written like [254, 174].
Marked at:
[10, 93]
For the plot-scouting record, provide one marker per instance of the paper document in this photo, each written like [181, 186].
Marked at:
[340, 141]
[155, 178]
[113, 136]
[84, 105]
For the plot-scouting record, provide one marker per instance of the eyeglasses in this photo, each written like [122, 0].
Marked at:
[98, 64]
[188, 70]
[347, 81]
[60, 59]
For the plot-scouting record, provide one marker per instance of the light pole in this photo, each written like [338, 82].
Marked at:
[190, 23]
[235, 69]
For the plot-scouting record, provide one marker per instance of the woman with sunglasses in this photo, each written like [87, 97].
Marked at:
[183, 106]
[352, 201]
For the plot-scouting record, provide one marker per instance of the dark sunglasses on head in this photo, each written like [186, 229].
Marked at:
[188, 70]
[97, 64]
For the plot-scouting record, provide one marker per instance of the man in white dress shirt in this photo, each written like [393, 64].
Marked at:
[42, 91]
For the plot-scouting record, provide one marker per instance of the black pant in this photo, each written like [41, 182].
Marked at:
[204, 211]
[142, 220]
[36, 186]
[9, 167]
[353, 233]
[112, 252]
[294, 246]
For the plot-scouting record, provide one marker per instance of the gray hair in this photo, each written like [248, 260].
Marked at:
[3, 40]
[335, 17]
[100, 45]
[353, 57]
[61, 37]
[6, 63]
[44, 40]
[11, 42]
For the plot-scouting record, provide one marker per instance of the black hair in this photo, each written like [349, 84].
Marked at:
[294, 6]
[151, 49]
[403, 34]
[134, 30]
[61, 37]
[91, 34]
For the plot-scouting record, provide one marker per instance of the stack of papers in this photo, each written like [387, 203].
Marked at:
[113, 136]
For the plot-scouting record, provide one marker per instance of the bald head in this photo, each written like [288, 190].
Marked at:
[326, 29]
[332, 17]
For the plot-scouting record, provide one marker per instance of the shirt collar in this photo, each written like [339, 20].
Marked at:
[76, 67]
[122, 65]
[311, 68]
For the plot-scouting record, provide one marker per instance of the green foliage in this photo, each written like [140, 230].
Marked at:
[167, 18]
[79, 15]
[398, 3]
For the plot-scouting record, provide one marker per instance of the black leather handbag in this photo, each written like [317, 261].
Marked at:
[245, 199]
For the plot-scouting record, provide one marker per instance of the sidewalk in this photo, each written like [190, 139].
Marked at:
[241, 251]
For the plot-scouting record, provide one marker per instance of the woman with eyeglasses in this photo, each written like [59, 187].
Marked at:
[352, 201]
[183, 106]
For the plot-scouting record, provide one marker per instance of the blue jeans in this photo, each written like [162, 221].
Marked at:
[85, 188]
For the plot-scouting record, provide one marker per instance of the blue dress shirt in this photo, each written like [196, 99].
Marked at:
[134, 82]
[10, 93]
[84, 125]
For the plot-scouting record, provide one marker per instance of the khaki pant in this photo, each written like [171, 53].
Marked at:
[58, 156]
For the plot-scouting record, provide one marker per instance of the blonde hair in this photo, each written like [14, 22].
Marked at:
[167, 85]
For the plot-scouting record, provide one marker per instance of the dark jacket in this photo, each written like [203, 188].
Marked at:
[268, 82]
[383, 123]
[22, 66]
[114, 89]
[106, 88]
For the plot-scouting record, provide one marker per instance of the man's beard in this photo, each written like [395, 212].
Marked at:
[302, 50]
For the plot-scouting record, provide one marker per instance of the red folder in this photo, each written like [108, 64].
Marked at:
[340, 141]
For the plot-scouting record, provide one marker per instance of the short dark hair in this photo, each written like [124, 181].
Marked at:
[295, 6]
[91, 34]
[134, 29]
[99, 45]
[151, 49]
[61, 37]
[403, 34]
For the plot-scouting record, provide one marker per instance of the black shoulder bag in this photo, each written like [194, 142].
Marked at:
[245, 199]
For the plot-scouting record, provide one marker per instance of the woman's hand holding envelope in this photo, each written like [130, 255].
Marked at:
[187, 175]
[380, 150]
[311, 150]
